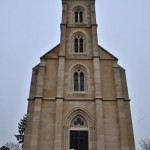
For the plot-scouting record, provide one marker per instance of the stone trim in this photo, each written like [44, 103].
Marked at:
[60, 84]
[67, 122]
[35, 125]
[118, 81]
[97, 78]
[100, 139]
[58, 125]
[124, 141]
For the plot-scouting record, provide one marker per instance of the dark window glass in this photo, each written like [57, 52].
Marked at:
[81, 16]
[79, 140]
[78, 121]
[76, 16]
[76, 83]
[81, 81]
[81, 45]
[76, 45]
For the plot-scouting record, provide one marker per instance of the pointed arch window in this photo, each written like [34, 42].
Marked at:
[78, 43]
[79, 121]
[79, 80]
[78, 14]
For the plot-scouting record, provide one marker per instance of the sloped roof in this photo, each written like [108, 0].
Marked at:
[105, 54]
[54, 53]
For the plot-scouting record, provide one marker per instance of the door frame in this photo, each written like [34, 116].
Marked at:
[78, 111]
[79, 132]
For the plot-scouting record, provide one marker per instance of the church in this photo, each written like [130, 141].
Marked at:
[78, 97]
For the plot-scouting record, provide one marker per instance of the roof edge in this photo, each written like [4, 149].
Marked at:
[108, 52]
[49, 51]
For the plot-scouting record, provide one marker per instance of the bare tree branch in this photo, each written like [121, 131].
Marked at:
[145, 144]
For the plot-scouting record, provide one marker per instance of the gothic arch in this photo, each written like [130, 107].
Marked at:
[78, 111]
[78, 14]
[89, 127]
[79, 79]
[78, 42]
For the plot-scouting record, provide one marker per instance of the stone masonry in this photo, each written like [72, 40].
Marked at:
[101, 104]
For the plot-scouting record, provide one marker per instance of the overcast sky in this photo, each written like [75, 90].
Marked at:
[30, 28]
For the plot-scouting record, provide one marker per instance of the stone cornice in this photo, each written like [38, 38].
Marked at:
[78, 99]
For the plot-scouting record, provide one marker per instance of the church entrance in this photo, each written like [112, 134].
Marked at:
[78, 140]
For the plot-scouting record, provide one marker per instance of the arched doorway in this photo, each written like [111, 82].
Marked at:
[78, 132]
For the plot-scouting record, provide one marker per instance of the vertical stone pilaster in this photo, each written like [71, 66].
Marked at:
[35, 124]
[58, 140]
[61, 70]
[100, 144]
[95, 41]
[37, 107]
[118, 82]
[62, 41]
[129, 126]
[96, 56]
[63, 31]
[124, 85]
[64, 13]
[94, 31]
[97, 77]
[93, 15]
[124, 143]
[40, 80]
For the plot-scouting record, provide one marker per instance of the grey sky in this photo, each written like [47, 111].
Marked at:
[29, 28]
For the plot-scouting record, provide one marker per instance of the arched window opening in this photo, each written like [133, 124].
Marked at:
[78, 15]
[79, 81]
[78, 43]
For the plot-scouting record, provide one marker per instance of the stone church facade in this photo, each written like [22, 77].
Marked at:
[78, 97]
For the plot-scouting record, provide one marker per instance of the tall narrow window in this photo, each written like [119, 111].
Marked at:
[76, 83]
[76, 47]
[81, 45]
[81, 16]
[79, 81]
[78, 43]
[78, 15]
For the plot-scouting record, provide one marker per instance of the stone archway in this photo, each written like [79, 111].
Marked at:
[78, 130]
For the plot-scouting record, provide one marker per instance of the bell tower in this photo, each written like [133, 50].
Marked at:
[78, 96]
